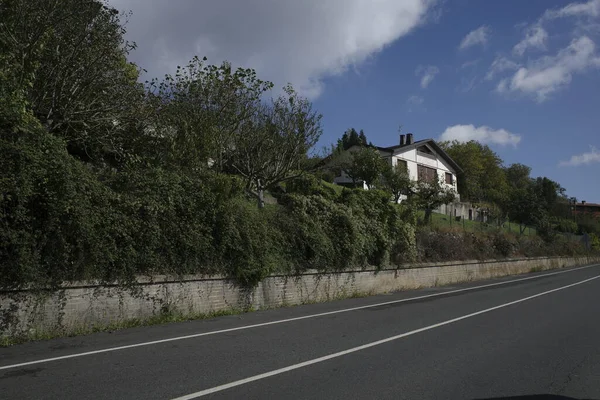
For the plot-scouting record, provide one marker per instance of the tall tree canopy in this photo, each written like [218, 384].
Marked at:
[483, 178]
[69, 60]
[275, 143]
[202, 111]
[352, 138]
[510, 189]
[365, 164]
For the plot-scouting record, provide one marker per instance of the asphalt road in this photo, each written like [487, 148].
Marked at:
[513, 337]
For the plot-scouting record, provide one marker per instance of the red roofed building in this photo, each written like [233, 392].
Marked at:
[587, 208]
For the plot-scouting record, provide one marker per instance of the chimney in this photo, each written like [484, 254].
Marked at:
[409, 138]
[402, 141]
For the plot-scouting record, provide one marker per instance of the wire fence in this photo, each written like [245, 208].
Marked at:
[496, 225]
[482, 225]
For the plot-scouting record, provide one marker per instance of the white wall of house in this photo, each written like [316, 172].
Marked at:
[413, 159]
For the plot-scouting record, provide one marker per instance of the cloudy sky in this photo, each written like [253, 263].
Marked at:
[521, 76]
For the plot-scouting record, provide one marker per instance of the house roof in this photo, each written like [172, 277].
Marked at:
[587, 205]
[401, 149]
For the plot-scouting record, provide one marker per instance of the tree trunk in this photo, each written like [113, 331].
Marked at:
[427, 218]
[260, 194]
[261, 198]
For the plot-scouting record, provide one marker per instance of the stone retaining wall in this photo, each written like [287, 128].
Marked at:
[81, 305]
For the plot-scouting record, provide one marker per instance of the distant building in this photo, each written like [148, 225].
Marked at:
[423, 160]
[587, 208]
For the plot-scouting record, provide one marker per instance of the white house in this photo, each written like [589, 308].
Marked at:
[423, 159]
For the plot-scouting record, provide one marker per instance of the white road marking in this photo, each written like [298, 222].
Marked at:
[281, 321]
[366, 346]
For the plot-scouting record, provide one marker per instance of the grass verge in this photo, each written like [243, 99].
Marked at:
[165, 318]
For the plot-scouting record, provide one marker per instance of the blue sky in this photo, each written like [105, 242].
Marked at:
[521, 76]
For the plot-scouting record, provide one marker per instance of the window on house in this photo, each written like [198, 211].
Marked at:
[449, 178]
[426, 174]
[402, 165]
[424, 149]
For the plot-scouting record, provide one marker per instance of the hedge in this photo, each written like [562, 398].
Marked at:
[60, 221]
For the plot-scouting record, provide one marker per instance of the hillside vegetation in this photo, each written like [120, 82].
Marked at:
[103, 177]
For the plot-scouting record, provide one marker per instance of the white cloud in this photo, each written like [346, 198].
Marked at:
[482, 134]
[500, 65]
[590, 8]
[535, 38]
[415, 100]
[536, 35]
[427, 74]
[468, 84]
[547, 75]
[591, 157]
[469, 64]
[585, 15]
[478, 36]
[415, 103]
[300, 42]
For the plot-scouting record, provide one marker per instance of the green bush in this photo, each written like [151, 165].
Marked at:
[456, 245]
[63, 221]
[319, 233]
[245, 245]
[166, 220]
[595, 242]
[505, 244]
[50, 207]
[309, 185]
[60, 221]
[380, 225]
[359, 229]
[564, 225]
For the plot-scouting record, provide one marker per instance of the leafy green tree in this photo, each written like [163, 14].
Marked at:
[273, 146]
[428, 196]
[69, 59]
[203, 111]
[518, 176]
[365, 164]
[548, 192]
[482, 178]
[397, 181]
[533, 201]
[526, 208]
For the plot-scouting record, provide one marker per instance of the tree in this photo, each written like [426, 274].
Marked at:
[352, 138]
[533, 201]
[362, 138]
[274, 144]
[397, 181]
[482, 178]
[202, 111]
[518, 176]
[69, 58]
[430, 195]
[548, 192]
[365, 164]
